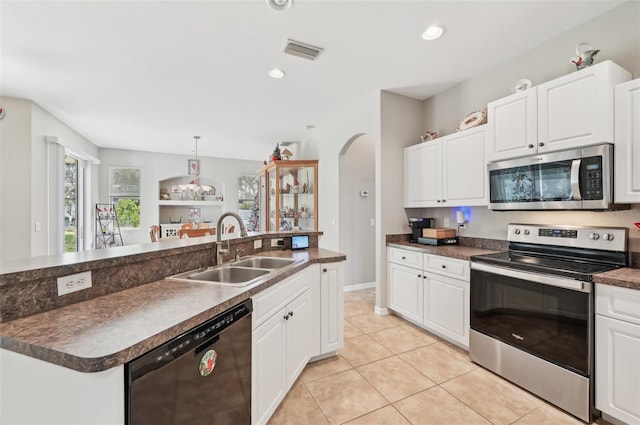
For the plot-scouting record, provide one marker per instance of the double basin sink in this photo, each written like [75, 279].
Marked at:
[239, 273]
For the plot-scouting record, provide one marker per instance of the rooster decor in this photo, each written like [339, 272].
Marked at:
[585, 56]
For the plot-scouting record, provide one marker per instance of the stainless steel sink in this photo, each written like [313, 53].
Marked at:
[240, 273]
[223, 275]
[264, 262]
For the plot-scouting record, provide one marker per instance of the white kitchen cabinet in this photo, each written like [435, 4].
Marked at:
[432, 292]
[423, 174]
[447, 172]
[572, 111]
[627, 142]
[293, 321]
[617, 352]
[331, 307]
[405, 291]
[281, 343]
[512, 130]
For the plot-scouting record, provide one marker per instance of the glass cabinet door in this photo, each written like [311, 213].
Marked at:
[292, 195]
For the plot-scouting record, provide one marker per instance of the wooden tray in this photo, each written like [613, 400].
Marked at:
[439, 233]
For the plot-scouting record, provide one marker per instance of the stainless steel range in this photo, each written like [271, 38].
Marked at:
[532, 318]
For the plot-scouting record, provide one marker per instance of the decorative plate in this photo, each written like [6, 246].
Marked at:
[521, 85]
[472, 120]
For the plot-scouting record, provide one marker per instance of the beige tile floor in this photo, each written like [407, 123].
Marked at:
[391, 372]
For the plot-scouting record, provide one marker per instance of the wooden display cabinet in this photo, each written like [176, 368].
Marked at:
[289, 196]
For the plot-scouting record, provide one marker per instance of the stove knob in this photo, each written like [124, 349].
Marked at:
[607, 236]
[594, 236]
[526, 231]
[516, 231]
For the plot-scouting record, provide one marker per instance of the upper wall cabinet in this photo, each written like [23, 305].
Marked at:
[627, 142]
[446, 172]
[571, 111]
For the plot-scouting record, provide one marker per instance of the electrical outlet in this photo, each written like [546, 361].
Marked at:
[446, 222]
[74, 282]
[257, 244]
[277, 242]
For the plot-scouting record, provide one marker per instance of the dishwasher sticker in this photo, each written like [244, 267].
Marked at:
[208, 362]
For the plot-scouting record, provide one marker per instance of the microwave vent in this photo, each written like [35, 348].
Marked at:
[301, 50]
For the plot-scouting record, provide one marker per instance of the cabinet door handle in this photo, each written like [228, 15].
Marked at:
[530, 146]
[419, 276]
[439, 201]
[541, 144]
[444, 267]
[404, 258]
[444, 200]
[324, 270]
[286, 317]
[291, 313]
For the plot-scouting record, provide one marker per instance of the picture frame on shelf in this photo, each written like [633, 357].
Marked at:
[194, 214]
[193, 166]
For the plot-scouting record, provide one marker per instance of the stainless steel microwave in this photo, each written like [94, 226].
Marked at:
[576, 179]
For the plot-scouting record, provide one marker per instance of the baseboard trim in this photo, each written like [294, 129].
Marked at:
[358, 286]
[381, 311]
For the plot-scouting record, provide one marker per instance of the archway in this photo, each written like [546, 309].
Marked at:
[357, 211]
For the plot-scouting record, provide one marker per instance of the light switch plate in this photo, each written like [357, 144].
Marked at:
[277, 242]
[257, 244]
[74, 282]
[446, 222]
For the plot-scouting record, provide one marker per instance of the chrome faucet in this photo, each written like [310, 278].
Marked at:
[243, 233]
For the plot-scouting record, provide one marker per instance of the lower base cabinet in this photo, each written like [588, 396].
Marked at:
[431, 291]
[293, 321]
[618, 353]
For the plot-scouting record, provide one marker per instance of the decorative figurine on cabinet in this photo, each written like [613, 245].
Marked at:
[585, 55]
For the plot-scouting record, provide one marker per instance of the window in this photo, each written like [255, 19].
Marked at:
[71, 207]
[124, 193]
[248, 206]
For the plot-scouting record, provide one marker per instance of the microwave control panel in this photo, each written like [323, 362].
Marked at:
[591, 178]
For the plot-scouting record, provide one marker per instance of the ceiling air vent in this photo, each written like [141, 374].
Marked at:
[301, 50]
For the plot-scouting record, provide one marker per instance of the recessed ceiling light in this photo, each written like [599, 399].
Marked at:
[280, 5]
[276, 73]
[433, 32]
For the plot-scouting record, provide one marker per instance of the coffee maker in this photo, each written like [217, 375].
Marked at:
[417, 224]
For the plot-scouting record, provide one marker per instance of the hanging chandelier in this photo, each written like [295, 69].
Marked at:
[194, 190]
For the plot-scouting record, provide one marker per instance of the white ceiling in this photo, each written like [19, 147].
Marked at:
[149, 75]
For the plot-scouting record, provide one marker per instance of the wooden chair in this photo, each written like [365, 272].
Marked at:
[154, 232]
[194, 233]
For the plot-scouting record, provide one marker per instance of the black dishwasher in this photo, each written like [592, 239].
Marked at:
[201, 377]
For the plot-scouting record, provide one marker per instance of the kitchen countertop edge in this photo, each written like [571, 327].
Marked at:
[34, 336]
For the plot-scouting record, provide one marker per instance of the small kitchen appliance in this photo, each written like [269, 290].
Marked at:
[532, 309]
[417, 224]
[576, 179]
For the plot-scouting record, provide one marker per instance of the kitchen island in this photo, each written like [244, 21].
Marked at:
[71, 358]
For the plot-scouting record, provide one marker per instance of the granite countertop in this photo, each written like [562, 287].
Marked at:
[453, 251]
[110, 330]
[625, 277]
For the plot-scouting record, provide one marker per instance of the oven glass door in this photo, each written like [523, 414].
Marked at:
[549, 322]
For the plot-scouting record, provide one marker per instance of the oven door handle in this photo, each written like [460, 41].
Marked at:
[574, 285]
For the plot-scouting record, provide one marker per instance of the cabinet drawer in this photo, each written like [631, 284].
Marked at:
[618, 303]
[269, 301]
[406, 257]
[447, 266]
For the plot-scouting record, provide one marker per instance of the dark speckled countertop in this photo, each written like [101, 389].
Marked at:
[453, 251]
[113, 329]
[625, 277]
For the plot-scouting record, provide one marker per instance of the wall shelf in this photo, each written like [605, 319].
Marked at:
[190, 203]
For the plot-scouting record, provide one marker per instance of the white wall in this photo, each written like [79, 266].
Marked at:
[15, 179]
[617, 34]
[160, 166]
[400, 126]
[25, 166]
[357, 173]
